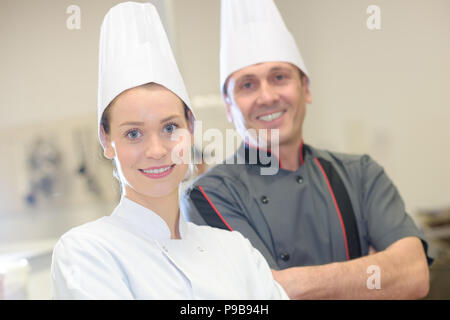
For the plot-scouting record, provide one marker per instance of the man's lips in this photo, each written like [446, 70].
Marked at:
[271, 116]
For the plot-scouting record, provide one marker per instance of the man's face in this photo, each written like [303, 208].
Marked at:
[268, 95]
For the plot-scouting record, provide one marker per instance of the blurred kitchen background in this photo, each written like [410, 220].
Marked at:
[384, 92]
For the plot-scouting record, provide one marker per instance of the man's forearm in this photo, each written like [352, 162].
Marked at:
[399, 272]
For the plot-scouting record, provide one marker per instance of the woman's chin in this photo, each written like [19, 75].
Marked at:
[153, 192]
[141, 186]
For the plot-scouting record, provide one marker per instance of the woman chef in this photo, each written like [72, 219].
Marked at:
[145, 249]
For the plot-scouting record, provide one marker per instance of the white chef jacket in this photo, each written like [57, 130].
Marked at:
[129, 255]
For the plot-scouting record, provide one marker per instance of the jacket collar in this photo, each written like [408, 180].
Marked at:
[249, 154]
[146, 221]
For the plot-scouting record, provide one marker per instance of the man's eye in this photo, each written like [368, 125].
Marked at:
[279, 77]
[246, 85]
[133, 134]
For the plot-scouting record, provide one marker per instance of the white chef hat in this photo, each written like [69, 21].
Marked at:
[253, 31]
[134, 50]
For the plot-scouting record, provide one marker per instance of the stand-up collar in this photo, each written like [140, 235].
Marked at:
[249, 154]
[145, 220]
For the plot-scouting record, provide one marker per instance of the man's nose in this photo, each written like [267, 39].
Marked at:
[156, 148]
[268, 94]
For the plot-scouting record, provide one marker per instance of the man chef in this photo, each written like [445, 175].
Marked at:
[319, 217]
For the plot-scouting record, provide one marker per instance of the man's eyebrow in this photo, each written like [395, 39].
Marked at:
[250, 75]
[279, 69]
[245, 77]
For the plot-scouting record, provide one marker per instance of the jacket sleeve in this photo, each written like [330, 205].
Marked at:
[384, 209]
[211, 201]
[81, 269]
[266, 287]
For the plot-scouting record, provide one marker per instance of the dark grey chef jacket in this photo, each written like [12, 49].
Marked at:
[291, 217]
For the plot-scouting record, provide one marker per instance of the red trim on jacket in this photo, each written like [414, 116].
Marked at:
[337, 207]
[302, 161]
[214, 207]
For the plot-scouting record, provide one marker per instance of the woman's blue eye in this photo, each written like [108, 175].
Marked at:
[133, 134]
[170, 128]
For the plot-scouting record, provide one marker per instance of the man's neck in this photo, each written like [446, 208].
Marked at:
[289, 155]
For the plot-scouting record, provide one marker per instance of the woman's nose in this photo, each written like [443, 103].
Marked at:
[156, 148]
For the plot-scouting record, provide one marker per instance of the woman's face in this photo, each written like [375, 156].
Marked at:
[142, 141]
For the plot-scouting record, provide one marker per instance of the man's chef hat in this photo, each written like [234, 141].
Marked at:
[134, 50]
[253, 31]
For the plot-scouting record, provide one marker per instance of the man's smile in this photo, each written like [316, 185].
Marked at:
[271, 116]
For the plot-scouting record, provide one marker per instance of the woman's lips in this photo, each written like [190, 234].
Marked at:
[157, 172]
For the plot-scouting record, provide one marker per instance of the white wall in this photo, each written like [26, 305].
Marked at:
[382, 92]
[48, 89]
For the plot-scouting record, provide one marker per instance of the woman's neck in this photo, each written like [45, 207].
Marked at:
[166, 207]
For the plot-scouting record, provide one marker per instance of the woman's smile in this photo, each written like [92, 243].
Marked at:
[157, 172]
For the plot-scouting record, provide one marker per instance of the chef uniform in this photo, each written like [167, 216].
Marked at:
[333, 208]
[129, 254]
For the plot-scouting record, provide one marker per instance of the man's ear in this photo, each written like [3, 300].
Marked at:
[306, 90]
[108, 150]
[227, 100]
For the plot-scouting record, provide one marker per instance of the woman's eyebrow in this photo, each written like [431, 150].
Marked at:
[170, 117]
[132, 123]
[140, 123]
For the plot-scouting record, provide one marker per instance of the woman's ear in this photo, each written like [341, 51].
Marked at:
[190, 122]
[108, 150]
